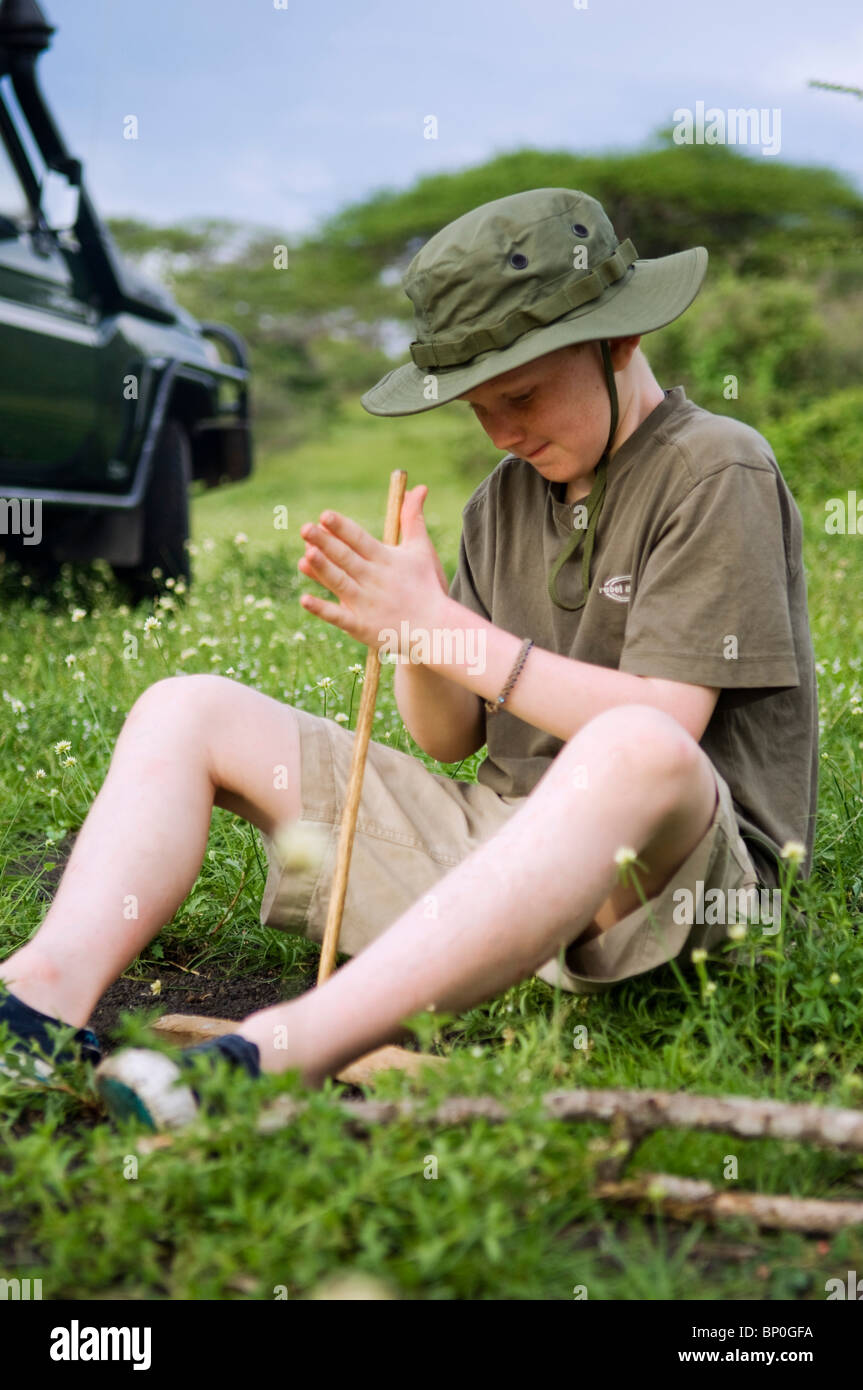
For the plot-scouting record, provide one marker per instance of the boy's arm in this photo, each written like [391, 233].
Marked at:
[554, 693]
[444, 718]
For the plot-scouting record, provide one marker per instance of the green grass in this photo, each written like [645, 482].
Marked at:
[224, 1212]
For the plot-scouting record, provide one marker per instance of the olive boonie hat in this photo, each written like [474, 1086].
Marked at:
[517, 278]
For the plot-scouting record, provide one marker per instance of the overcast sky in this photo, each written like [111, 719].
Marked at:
[281, 116]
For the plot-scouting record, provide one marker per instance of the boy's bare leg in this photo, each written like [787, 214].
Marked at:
[507, 909]
[188, 741]
[193, 740]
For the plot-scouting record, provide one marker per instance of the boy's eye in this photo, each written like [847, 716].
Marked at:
[513, 400]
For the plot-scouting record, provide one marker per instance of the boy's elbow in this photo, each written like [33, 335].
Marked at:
[453, 752]
[456, 744]
[448, 740]
[450, 745]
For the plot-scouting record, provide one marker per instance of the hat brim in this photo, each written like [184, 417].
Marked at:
[651, 294]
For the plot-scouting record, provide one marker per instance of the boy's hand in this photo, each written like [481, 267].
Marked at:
[378, 586]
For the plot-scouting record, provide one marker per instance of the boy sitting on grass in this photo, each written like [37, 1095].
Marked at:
[631, 576]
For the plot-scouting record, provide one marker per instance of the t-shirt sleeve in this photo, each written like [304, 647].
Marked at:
[463, 586]
[711, 603]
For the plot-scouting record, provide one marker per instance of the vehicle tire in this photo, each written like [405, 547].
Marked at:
[166, 515]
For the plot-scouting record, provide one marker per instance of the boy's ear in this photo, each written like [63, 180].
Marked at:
[622, 350]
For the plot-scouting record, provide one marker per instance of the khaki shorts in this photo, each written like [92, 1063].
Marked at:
[415, 825]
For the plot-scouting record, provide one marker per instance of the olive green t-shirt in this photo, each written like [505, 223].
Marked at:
[696, 576]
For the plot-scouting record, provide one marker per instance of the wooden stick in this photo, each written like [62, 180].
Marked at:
[641, 1112]
[185, 1030]
[362, 1070]
[687, 1199]
[362, 734]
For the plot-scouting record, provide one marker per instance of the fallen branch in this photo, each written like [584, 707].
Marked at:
[687, 1199]
[637, 1113]
[641, 1112]
[364, 1115]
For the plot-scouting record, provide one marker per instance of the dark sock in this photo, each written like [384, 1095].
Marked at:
[29, 1025]
[239, 1051]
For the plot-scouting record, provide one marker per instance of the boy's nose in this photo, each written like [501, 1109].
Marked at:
[505, 433]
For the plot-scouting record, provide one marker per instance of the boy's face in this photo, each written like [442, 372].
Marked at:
[554, 412]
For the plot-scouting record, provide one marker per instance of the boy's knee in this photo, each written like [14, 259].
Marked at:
[638, 740]
[179, 695]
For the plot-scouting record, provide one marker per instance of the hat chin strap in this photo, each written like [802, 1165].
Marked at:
[593, 504]
[605, 346]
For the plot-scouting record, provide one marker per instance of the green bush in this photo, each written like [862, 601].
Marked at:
[820, 448]
[771, 336]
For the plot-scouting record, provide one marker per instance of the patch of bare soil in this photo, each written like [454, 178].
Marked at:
[205, 992]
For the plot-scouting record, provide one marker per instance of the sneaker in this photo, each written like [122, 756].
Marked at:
[138, 1083]
[27, 1031]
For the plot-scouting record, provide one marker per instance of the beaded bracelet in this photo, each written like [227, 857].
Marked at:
[494, 705]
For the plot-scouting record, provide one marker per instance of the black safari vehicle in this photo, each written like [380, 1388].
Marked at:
[112, 397]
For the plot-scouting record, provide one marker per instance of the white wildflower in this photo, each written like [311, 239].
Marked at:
[300, 846]
[793, 850]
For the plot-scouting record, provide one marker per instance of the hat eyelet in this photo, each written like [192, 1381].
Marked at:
[518, 260]
[580, 229]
